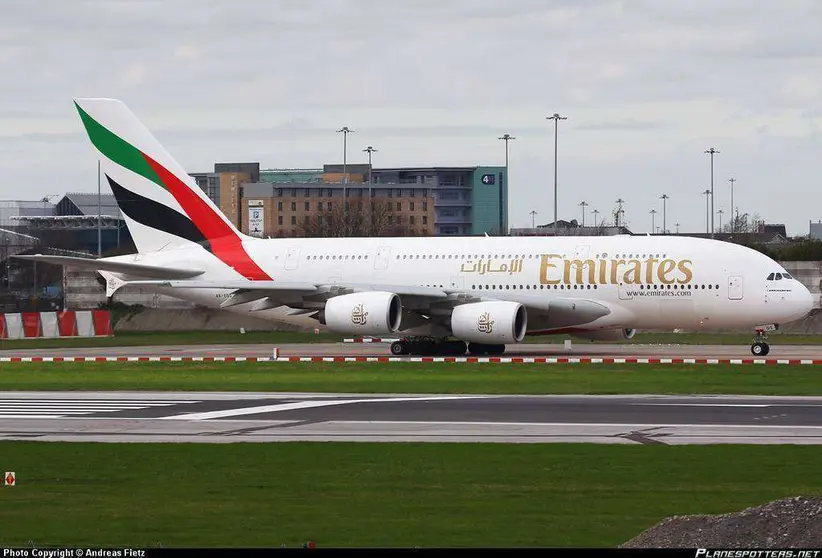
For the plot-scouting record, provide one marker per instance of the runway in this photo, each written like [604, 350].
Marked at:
[273, 417]
[329, 350]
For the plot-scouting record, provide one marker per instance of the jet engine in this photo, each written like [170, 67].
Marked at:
[368, 313]
[492, 322]
[606, 334]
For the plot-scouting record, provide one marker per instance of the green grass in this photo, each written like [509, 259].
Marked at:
[132, 339]
[395, 495]
[410, 377]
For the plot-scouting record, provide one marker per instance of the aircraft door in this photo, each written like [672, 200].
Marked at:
[625, 291]
[383, 252]
[735, 287]
[292, 258]
[581, 252]
[458, 283]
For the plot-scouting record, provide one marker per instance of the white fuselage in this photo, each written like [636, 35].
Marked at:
[660, 282]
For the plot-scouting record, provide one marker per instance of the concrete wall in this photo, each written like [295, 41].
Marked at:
[810, 274]
[84, 291]
[199, 319]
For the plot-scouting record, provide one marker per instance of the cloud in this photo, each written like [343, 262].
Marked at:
[647, 86]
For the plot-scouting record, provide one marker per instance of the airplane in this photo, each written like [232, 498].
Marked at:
[440, 295]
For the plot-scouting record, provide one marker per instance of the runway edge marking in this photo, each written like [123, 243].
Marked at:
[379, 359]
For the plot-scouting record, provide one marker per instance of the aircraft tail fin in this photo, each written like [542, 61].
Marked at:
[162, 205]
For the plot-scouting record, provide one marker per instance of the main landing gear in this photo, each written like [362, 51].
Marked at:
[760, 347]
[431, 346]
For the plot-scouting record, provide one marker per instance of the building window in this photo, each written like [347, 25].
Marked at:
[399, 206]
[293, 219]
[279, 206]
[411, 220]
[306, 204]
[411, 204]
[328, 193]
[280, 220]
[293, 206]
[307, 193]
[319, 206]
[425, 206]
[424, 219]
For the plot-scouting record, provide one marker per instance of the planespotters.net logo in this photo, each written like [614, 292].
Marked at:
[756, 553]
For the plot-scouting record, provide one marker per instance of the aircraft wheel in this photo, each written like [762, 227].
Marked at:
[477, 349]
[399, 348]
[760, 349]
[496, 350]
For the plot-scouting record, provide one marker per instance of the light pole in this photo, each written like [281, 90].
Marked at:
[369, 150]
[596, 218]
[712, 152]
[733, 220]
[677, 228]
[720, 212]
[345, 130]
[653, 220]
[556, 118]
[583, 204]
[533, 213]
[619, 211]
[707, 194]
[664, 198]
[504, 226]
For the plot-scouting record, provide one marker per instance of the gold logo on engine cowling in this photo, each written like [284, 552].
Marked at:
[485, 324]
[358, 315]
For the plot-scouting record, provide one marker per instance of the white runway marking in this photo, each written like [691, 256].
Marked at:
[304, 405]
[57, 408]
[757, 405]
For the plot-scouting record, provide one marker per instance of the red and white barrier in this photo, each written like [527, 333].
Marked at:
[53, 325]
[400, 360]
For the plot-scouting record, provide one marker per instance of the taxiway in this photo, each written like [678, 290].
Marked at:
[272, 417]
[583, 349]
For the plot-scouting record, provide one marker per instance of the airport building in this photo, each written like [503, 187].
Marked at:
[426, 201]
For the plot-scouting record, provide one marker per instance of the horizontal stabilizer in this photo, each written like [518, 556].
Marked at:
[105, 264]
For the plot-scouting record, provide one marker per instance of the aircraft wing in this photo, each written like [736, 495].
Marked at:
[425, 301]
[105, 264]
[262, 289]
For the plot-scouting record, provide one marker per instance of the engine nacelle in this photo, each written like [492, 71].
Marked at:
[492, 322]
[606, 334]
[369, 313]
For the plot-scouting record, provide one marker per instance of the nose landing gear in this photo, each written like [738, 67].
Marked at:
[759, 346]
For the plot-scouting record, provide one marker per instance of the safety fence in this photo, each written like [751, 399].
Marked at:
[52, 325]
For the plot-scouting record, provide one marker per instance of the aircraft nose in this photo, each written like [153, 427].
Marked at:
[802, 301]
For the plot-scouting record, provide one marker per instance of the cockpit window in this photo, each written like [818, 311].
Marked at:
[787, 276]
[770, 277]
[778, 276]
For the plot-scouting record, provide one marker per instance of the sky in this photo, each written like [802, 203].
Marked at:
[647, 86]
